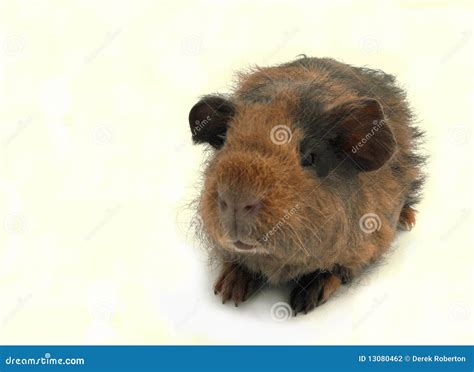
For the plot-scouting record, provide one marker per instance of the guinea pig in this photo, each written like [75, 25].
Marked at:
[314, 167]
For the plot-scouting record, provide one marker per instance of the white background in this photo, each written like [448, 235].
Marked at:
[97, 169]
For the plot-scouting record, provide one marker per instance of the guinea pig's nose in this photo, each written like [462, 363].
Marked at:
[236, 211]
[240, 205]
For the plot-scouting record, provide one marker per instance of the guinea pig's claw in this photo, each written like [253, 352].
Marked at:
[313, 290]
[407, 218]
[236, 283]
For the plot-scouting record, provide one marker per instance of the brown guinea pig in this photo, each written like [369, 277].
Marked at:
[314, 169]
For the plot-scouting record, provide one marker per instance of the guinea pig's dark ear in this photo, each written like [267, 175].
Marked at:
[362, 133]
[208, 120]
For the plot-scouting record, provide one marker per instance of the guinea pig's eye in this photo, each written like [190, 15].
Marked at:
[307, 160]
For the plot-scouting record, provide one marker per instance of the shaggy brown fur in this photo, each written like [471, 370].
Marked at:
[323, 220]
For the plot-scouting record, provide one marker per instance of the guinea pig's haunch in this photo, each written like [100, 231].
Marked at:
[315, 167]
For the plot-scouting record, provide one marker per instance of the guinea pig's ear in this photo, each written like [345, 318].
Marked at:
[208, 120]
[362, 133]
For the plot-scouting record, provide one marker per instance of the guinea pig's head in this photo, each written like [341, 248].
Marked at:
[281, 169]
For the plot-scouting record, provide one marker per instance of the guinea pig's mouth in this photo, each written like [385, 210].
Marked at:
[243, 246]
[247, 247]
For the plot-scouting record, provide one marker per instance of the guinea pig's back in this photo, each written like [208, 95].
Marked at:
[327, 83]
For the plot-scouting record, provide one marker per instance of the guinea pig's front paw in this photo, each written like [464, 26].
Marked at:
[236, 283]
[407, 218]
[313, 290]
